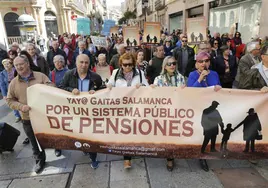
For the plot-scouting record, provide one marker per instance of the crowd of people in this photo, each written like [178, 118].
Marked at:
[73, 63]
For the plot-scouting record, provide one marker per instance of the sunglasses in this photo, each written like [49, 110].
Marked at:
[216, 43]
[171, 63]
[184, 41]
[127, 65]
[204, 61]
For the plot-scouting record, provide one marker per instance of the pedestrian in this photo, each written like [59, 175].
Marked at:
[82, 79]
[141, 63]
[169, 77]
[69, 51]
[127, 76]
[168, 47]
[155, 64]
[53, 52]
[185, 57]
[38, 60]
[82, 50]
[17, 100]
[6, 76]
[115, 59]
[226, 67]
[203, 77]
[3, 55]
[103, 68]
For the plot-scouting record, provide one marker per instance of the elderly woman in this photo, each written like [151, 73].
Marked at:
[57, 74]
[169, 77]
[12, 54]
[226, 67]
[127, 76]
[38, 60]
[103, 68]
[203, 77]
[5, 78]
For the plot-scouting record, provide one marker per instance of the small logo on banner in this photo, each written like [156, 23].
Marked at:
[78, 144]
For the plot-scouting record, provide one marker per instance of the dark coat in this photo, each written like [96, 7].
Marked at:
[3, 55]
[252, 125]
[43, 65]
[177, 53]
[51, 54]
[220, 68]
[70, 80]
[210, 120]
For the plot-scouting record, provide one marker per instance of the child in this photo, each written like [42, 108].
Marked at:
[226, 136]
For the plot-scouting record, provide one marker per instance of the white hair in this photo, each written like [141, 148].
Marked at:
[59, 58]
[30, 45]
[121, 46]
[165, 61]
[102, 56]
[251, 46]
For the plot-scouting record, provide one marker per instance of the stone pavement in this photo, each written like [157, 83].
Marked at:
[72, 170]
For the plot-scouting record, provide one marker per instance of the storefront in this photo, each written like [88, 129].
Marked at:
[175, 14]
[175, 21]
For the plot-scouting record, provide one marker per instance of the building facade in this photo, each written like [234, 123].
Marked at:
[53, 17]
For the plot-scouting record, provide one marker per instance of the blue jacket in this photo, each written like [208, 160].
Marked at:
[4, 82]
[211, 80]
[76, 53]
[58, 76]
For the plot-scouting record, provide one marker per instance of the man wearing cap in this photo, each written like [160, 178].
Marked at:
[252, 128]
[210, 120]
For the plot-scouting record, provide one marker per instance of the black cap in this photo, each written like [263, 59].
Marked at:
[215, 103]
[251, 110]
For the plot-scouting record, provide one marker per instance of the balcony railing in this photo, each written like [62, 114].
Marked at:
[14, 39]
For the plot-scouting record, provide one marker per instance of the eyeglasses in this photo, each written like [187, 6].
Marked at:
[171, 63]
[127, 65]
[204, 61]
[184, 41]
[216, 43]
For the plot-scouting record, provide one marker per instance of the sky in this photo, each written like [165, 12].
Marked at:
[114, 2]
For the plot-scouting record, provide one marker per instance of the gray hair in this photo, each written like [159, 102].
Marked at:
[121, 46]
[165, 61]
[251, 46]
[30, 45]
[102, 56]
[59, 58]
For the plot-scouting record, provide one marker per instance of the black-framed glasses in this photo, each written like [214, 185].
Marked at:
[184, 41]
[127, 65]
[203, 61]
[216, 43]
[171, 63]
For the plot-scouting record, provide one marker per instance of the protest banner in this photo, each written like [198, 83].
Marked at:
[107, 26]
[155, 122]
[99, 41]
[196, 30]
[114, 30]
[83, 26]
[131, 36]
[152, 32]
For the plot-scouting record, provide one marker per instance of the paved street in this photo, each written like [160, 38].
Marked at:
[73, 170]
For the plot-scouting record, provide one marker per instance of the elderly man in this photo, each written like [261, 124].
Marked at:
[82, 50]
[53, 52]
[245, 75]
[115, 59]
[81, 79]
[17, 100]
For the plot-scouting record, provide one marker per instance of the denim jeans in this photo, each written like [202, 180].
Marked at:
[16, 113]
[27, 126]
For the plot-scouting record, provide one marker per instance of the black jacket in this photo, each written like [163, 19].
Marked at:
[70, 80]
[51, 54]
[177, 53]
[3, 55]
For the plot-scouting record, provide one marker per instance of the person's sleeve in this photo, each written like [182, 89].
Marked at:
[65, 82]
[156, 81]
[193, 81]
[97, 82]
[11, 100]
[144, 80]
[112, 78]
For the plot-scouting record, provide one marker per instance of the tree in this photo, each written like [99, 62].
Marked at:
[127, 16]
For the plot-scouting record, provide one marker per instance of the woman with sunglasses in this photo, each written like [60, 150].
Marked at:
[127, 76]
[169, 77]
[203, 77]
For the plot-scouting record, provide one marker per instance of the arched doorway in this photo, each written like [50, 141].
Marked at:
[10, 21]
[51, 24]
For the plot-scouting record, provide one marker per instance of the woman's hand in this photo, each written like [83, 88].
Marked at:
[203, 74]
[138, 85]
[91, 92]
[109, 86]
[217, 88]
[153, 86]
[264, 89]
[183, 86]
